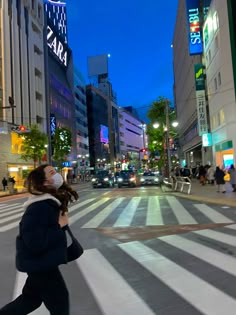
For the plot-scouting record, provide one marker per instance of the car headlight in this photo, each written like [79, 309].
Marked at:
[142, 180]
[94, 179]
[120, 180]
[132, 179]
[156, 179]
[106, 179]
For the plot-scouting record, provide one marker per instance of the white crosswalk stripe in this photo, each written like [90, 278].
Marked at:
[124, 211]
[116, 294]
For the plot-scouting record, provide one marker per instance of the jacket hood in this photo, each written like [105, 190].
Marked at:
[36, 198]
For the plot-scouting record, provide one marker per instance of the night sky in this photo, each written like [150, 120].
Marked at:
[138, 34]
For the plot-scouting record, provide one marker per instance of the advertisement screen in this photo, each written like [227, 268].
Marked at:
[228, 160]
[104, 137]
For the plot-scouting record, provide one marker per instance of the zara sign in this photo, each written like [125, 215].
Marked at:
[56, 46]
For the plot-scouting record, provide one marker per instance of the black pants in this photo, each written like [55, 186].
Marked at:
[41, 287]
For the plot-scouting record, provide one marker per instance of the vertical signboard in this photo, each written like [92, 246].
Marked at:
[194, 27]
[201, 99]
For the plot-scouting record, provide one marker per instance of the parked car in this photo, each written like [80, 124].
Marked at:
[127, 178]
[102, 179]
[150, 178]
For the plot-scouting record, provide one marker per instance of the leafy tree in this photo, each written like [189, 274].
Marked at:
[157, 136]
[62, 143]
[34, 145]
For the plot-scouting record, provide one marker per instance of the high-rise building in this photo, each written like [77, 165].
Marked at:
[59, 65]
[22, 76]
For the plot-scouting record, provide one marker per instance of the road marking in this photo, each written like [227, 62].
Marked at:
[154, 215]
[191, 288]
[218, 236]
[112, 292]
[180, 212]
[127, 214]
[212, 214]
[102, 215]
[205, 253]
[79, 215]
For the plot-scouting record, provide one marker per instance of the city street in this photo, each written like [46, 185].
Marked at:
[146, 252]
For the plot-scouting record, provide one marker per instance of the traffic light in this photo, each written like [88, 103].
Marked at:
[143, 150]
[20, 129]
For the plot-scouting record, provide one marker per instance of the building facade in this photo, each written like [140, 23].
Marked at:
[81, 121]
[103, 129]
[219, 49]
[132, 139]
[59, 65]
[185, 57]
[22, 87]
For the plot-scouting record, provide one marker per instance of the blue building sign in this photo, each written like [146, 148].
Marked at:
[194, 27]
[66, 164]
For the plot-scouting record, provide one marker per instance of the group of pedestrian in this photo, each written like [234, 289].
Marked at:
[41, 245]
[8, 184]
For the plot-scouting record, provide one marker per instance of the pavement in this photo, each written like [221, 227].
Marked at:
[206, 194]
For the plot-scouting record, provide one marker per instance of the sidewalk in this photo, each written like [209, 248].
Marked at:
[208, 193]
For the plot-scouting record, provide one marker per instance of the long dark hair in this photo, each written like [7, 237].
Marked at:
[35, 185]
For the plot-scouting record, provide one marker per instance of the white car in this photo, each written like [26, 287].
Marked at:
[150, 178]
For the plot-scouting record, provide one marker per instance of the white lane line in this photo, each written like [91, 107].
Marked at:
[202, 295]
[125, 218]
[5, 209]
[212, 214]
[232, 227]
[102, 215]
[182, 215]
[10, 212]
[218, 236]
[19, 283]
[205, 253]
[113, 294]
[91, 208]
[154, 215]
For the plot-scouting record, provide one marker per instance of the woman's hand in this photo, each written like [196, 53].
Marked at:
[63, 220]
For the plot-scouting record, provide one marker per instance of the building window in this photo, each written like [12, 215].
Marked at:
[216, 42]
[39, 12]
[215, 83]
[32, 4]
[219, 79]
[222, 117]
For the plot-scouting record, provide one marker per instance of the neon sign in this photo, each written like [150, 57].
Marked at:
[56, 46]
[194, 27]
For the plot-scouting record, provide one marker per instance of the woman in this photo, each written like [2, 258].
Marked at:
[41, 244]
[232, 173]
[220, 182]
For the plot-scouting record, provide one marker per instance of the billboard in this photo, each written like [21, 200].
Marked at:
[97, 65]
[194, 27]
[104, 136]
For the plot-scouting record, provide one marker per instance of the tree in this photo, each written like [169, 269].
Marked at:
[34, 145]
[62, 143]
[157, 136]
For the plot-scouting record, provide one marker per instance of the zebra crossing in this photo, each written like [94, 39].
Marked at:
[124, 212]
[178, 274]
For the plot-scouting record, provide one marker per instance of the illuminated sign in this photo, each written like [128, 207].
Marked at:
[53, 124]
[199, 77]
[56, 46]
[201, 112]
[194, 27]
[206, 140]
[104, 134]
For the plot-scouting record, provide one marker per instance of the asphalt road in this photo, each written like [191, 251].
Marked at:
[146, 252]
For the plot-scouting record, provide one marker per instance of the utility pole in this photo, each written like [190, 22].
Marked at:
[167, 137]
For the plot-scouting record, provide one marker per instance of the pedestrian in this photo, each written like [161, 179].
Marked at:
[202, 174]
[210, 175]
[4, 183]
[41, 245]
[232, 173]
[219, 176]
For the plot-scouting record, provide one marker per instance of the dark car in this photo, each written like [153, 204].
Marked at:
[127, 178]
[150, 178]
[102, 179]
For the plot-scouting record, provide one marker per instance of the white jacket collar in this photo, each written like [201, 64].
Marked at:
[35, 198]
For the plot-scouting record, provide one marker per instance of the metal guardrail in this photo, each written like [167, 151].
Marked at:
[178, 183]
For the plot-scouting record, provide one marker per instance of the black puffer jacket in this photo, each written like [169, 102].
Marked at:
[41, 243]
